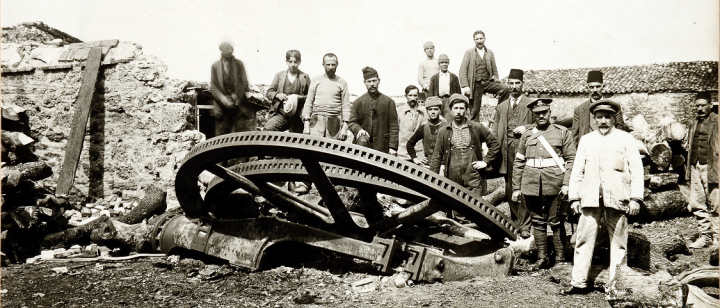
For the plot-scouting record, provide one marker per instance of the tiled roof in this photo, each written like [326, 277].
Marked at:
[667, 77]
[36, 31]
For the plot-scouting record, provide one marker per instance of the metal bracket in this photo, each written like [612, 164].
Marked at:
[200, 239]
[414, 265]
[391, 245]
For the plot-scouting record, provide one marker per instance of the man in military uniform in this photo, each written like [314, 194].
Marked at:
[543, 164]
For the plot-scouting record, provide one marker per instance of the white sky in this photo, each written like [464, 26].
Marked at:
[388, 35]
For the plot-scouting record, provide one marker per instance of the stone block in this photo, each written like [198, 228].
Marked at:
[10, 56]
[45, 56]
[110, 43]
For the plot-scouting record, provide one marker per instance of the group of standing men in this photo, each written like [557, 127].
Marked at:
[596, 166]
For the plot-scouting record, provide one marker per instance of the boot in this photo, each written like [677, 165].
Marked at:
[541, 243]
[560, 241]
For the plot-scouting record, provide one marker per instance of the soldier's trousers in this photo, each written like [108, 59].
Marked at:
[518, 210]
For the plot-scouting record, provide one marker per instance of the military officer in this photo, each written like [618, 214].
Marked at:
[543, 164]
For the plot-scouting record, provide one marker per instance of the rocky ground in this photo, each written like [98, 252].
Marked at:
[309, 278]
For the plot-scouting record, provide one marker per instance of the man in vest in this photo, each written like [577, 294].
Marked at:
[478, 74]
[702, 171]
[582, 117]
[427, 132]
[543, 164]
[511, 116]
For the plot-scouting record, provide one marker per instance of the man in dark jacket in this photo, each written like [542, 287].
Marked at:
[478, 74]
[459, 148]
[373, 117]
[289, 88]
[427, 132]
[228, 84]
[702, 171]
[444, 84]
[582, 117]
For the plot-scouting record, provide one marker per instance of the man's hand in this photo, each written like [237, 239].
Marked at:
[564, 191]
[343, 132]
[417, 161]
[477, 165]
[575, 206]
[634, 208]
[515, 196]
[227, 102]
[519, 130]
[424, 161]
[393, 152]
[363, 132]
[306, 130]
[235, 98]
[281, 96]
[466, 91]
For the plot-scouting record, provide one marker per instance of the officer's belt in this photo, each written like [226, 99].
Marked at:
[540, 162]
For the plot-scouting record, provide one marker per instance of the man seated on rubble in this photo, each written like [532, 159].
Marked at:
[427, 132]
[459, 148]
[374, 119]
[327, 108]
[228, 83]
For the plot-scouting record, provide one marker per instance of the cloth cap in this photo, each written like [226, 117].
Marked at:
[225, 44]
[428, 44]
[595, 76]
[369, 72]
[443, 58]
[459, 97]
[433, 101]
[290, 105]
[604, 105]
[703, 95]
[421, 96]
[541, 103]
[516, 74]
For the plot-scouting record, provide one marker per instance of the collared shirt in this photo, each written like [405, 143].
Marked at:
[514, 101]
[409, 121]
[461, 135]
[481, 52]
[444, 84]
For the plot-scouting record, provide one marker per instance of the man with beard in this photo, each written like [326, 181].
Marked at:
[511, 116]
[427, 132]
[327, 107]
[228, 84]
[459, 149]
[373, 118]
[479, 74]
[410, 117]
[582, 117]
[702, 171]
[605, 184]
[444, 84]
[427, 68]
[543, 164]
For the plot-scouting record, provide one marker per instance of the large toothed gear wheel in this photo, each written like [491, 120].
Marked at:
[328, 162]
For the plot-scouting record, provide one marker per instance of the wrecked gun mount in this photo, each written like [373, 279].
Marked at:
[326, 224]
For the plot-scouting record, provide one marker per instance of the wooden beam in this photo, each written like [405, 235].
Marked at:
[79, 123]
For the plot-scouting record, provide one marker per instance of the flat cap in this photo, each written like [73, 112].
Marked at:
[604, 105]
[433, 101]
[459, 97]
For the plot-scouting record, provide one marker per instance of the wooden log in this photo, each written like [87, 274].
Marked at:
[661, 154]
[663, 205]
[642, 254]
[662, 181]
[669, 244]
[113, 233]
[631, 288]
[497, 196]
[455, 228]
[16, 174]
[14, 140]
[494, 183]
[76, 235]
[152, 204]
[674, 131]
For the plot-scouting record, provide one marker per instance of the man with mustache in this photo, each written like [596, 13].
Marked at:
[228, 84]
[543, 163]
[582, 117]
[511, 116]
[479, 74]
[606, 183]
[702, 171]
[427, 132]
[327, 107]
[410, 117]
[374, 118]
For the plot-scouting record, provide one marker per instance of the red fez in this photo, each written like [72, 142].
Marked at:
[595, 76]
[516, 74]
[369, 72]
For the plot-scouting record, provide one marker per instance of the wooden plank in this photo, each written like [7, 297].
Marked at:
[93, 44]
[109, 43]
[82, 54]
[70, 56]
[63, 55]
[79, 123]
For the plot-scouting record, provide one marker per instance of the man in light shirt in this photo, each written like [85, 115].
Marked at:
[327, 107]
[410, 117]
[478, 75]
[428, 68]
[444, 84]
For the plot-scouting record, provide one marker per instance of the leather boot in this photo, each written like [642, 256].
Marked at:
[560, 241]
[541, 243]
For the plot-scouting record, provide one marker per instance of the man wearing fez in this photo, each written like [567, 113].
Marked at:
[582, 117]
[702, 171]
[444, 84]
[606, 183]
[543, 163]
[478, 74]
[459, 148]
[374, 116]
[511, 116]
[410, 117]
[427, 132]
[427, 68]
[228, 84]
[327, 107]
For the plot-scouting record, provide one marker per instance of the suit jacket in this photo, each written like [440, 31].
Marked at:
[277, 86]
[381, 123]
[219, 92]
[500, 127]
[582, 118]
[467, 67]
[434, 87]
[712, 161]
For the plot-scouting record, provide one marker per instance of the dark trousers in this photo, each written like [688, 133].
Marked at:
[234, 121]
[481, 87]
[281, 123]
[518, 210]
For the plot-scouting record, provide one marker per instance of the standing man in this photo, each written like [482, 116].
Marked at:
[459, 148]
[228, 84]
[543, 164]
[511, 116]
[702, 171]
[444, 84]
[374, 116]
[327, 108]
[606, 184]
[427, 132]
[427, 68]
[478, 74]
[410, 117]
[582, 117]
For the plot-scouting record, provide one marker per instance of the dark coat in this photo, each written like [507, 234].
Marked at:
[382, 125]
[434, 87]
[467, 67]
[219, 92]
[712, 161]
[478, 134]
[277, 86]
[501, 122]
[582, 118]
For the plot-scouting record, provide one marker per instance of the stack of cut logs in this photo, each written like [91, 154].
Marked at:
[28, 208]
